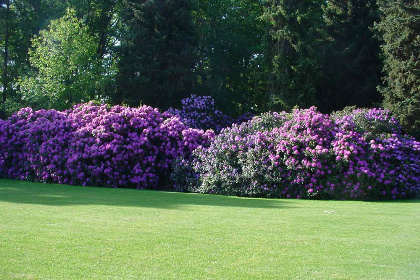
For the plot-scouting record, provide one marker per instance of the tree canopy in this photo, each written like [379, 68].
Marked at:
[400, 27]
[248, 55]
[66, 66]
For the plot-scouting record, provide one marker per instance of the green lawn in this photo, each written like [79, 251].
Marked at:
[67, 232]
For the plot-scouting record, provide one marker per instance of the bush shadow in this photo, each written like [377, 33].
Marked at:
[64, 195]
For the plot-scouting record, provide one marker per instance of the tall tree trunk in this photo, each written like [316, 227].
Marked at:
[106, 18]
[6, 58]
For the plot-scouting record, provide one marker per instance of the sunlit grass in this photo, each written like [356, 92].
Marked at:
[67, 232]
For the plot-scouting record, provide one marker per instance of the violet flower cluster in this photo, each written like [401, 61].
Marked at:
[356, 155]
[96, 146]
[200, 112]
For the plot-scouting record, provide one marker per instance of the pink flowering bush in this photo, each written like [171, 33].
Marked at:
[96, 145]
[355, 155]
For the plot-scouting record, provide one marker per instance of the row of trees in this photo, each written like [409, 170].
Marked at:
[249, 55]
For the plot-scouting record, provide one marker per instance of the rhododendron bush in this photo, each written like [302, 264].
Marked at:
[352, 154]
[96, 145]
[358, 154]
[200, 112]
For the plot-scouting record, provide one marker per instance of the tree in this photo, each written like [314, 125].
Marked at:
[352, 65]
[17, 25]
[157, 53]
[66, 66]
[400, 28]
[6, 53]
[100, 18]
[231, 53]
[295, 37]
[20, 21]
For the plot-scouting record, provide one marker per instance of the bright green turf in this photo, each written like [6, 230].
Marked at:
[66, 232]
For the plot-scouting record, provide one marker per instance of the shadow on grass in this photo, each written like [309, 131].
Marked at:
[63, 195]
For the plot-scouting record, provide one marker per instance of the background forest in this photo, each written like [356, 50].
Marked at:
[248, 55]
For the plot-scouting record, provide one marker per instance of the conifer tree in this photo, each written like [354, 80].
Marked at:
[400, 27]
[352, 66]
[231, 53]
[296, 33]
[157, 53]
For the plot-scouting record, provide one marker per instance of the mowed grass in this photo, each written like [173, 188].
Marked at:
[50, 231]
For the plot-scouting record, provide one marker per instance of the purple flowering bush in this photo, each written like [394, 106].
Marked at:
[34, 145]
[200, 112]
[96, 145]
[216, 166]
[359, 154]
[352, 154]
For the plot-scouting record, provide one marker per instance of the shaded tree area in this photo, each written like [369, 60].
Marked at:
[400, 28]
[19, 21]
[157, 53]
[231, 66]
[295, 37]
[351, 56]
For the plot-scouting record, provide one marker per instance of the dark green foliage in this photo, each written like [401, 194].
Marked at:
[19, 20]
[352, 66]
[295, 37]
[231, 53]
[400, 27]
[157, 53]
[99, 16]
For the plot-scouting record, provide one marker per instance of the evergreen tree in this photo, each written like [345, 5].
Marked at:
[157, 53]
[400, 27]
[296, 33]
[352, 66]
[231, 53]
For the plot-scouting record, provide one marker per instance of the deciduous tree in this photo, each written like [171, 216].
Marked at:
[66, 66]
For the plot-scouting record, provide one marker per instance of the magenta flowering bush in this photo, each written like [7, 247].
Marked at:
[355, 155]
[96, 145]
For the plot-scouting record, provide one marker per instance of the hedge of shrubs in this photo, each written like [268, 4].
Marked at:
[351, 154]
[96, 145]
[358, 154]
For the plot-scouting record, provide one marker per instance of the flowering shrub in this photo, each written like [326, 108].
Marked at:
[355, 155]
[352, 154]
[96, 145]
[212, 164]
[200, 112]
